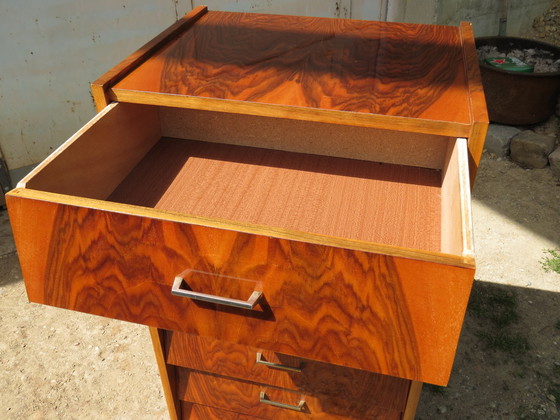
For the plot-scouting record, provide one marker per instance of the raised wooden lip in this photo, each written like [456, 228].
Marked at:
[104, 92]
[100, 87]
[360, 119]
[466, 260]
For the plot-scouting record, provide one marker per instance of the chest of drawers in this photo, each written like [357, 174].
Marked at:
[285, 201]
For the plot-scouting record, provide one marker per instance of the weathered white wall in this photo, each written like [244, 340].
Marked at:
[485, 15]
[52, 49]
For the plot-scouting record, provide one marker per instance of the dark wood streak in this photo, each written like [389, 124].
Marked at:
[243, 397]
[315, 378]
[348, 65]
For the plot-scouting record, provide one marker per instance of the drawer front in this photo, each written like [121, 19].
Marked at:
[248, 398]
[191, 411]
[293, 373]
[390, 315]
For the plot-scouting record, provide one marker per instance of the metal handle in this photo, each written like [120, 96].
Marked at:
[220, 300]
[262, 361]
[265, 400]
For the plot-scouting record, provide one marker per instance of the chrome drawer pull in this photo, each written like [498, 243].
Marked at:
[262, 361]
[265, 400]
[236, 303]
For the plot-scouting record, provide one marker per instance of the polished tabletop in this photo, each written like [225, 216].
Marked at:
[382, 68]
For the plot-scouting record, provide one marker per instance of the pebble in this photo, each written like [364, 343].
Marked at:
[442, 409]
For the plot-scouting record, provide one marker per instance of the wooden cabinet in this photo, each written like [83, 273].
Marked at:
[284, 188]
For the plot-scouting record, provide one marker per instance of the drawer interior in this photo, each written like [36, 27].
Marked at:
[388, 187]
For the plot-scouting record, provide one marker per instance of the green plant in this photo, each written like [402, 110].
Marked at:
[551, 262]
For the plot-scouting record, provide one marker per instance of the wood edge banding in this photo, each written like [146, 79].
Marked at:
[394, 123]
[100, 87]
[464, 261]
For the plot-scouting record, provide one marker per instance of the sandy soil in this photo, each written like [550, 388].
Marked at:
[57, 364]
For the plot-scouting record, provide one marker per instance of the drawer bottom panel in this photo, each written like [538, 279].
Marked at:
[245, 398]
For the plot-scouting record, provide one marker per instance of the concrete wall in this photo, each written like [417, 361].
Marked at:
[485, 15]
[52, 49]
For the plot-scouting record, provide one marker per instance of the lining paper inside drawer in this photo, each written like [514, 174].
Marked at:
[375, 202]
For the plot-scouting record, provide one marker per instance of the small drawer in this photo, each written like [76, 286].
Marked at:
[191, 411]
[354, 262]
[272, 403]
[282, 371]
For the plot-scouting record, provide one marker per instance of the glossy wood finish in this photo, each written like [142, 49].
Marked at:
[202, 412]
[332, 64]
[100, 86]
[243, 397]
[237, 361]
[479, 114]
[390, 315]
[405, 77]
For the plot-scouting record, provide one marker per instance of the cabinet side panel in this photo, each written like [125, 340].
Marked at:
[385, 314]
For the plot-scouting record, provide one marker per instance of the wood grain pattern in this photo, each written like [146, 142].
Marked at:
[237, 361]
[392, 69]
[202, 412]
[366, 201]
[101, 85]
[243, 397]
[385, 314]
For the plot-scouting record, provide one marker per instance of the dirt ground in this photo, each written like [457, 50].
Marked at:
[57, 364]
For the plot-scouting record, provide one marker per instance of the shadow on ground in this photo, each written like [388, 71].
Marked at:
[508, 360]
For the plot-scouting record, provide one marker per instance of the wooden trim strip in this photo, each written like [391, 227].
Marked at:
[465, 261]
[394, 123]
[167, 374]
[100, 87]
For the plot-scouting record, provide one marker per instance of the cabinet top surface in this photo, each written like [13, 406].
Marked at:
[382, 68]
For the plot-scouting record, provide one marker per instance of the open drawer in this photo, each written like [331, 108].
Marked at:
[364, 260]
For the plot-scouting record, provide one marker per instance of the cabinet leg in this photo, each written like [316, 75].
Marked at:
[167, 374]
[412, 400]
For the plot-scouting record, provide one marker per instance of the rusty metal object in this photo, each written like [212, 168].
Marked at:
[518, 98]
